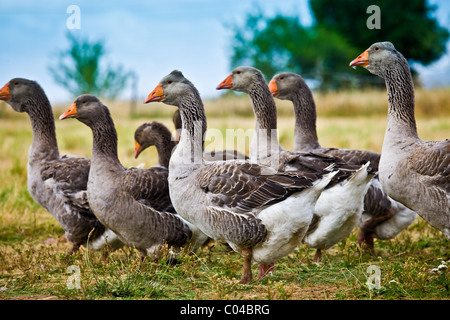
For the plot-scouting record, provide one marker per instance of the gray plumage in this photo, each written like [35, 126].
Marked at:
[58, 183]
[379, 209]
[132, 202]
[332, 224]
[235, 201]
[155, 134]
[412, 171]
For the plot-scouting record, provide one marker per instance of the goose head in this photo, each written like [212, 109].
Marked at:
[86, 108]
[18, 91]
[379, 58]
[149, 134]
[173, 89]
[242, 79]
[283, 85]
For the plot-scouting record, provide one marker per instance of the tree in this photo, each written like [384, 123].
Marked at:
[323, 50]
[409, 25]
[79, 69]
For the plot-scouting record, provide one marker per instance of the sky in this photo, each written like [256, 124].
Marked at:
[151, 38]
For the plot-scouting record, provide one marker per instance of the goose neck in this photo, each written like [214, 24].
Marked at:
[264, 144]
[305, 132]
[165, 147]
[43, 126]
[105, 141]
[400, 90]
[263, 106]
[191, 145]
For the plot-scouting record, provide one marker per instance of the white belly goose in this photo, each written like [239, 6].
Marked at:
[58, 183]
[132, 202]
[341, 203]
[247, 205]
[382, 217]
[412, 171]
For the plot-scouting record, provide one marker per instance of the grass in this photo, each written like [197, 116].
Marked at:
[34, 263]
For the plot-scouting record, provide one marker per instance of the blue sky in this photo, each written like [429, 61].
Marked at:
[149, 37]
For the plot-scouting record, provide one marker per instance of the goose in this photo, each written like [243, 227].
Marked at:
[154, 134]
[247, 205]
[58, 183]
[383, 217]
[132, 202]
[341, 203]
[412, 171]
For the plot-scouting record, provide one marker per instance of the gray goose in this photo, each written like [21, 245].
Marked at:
[132, 202]
[58, 183]
[340, 205]
[412, 171]
[246, 205]
[154, 134]
[382, 217]
[215, 155]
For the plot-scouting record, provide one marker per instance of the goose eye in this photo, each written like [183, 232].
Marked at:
[238, 72]
[169, 82]
[376, 48]
[16, 83]
[281, 78]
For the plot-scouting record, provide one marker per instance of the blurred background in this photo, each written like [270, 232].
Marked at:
[120, 50]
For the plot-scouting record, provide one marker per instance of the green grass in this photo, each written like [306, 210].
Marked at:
[34, 263]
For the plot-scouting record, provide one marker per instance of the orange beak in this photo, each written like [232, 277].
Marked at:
[137, 149]
[70, 113]
[273, 87]
[156, 95]
[362, 60]
[227, 83]
[4, 92]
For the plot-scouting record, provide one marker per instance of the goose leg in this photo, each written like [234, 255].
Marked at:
[247, 269]
[365, 241]
[264, 269]
[366, 237]
[75, 247]
[318, 255]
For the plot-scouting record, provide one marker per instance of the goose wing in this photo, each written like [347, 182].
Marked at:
[244, 186]
[69, 176]
[356, 156]
[313, 162]
[431, 161]
[149, 187]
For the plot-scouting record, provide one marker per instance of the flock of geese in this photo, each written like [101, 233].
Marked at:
[263, 205]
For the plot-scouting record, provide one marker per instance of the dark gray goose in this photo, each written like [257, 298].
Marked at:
[412, 171]
[58, 183]
[383, 217]
[132, 202]
[154, 134]
[248, 206]
[340, 205]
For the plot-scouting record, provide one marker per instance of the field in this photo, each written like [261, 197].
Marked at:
[33, 257]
